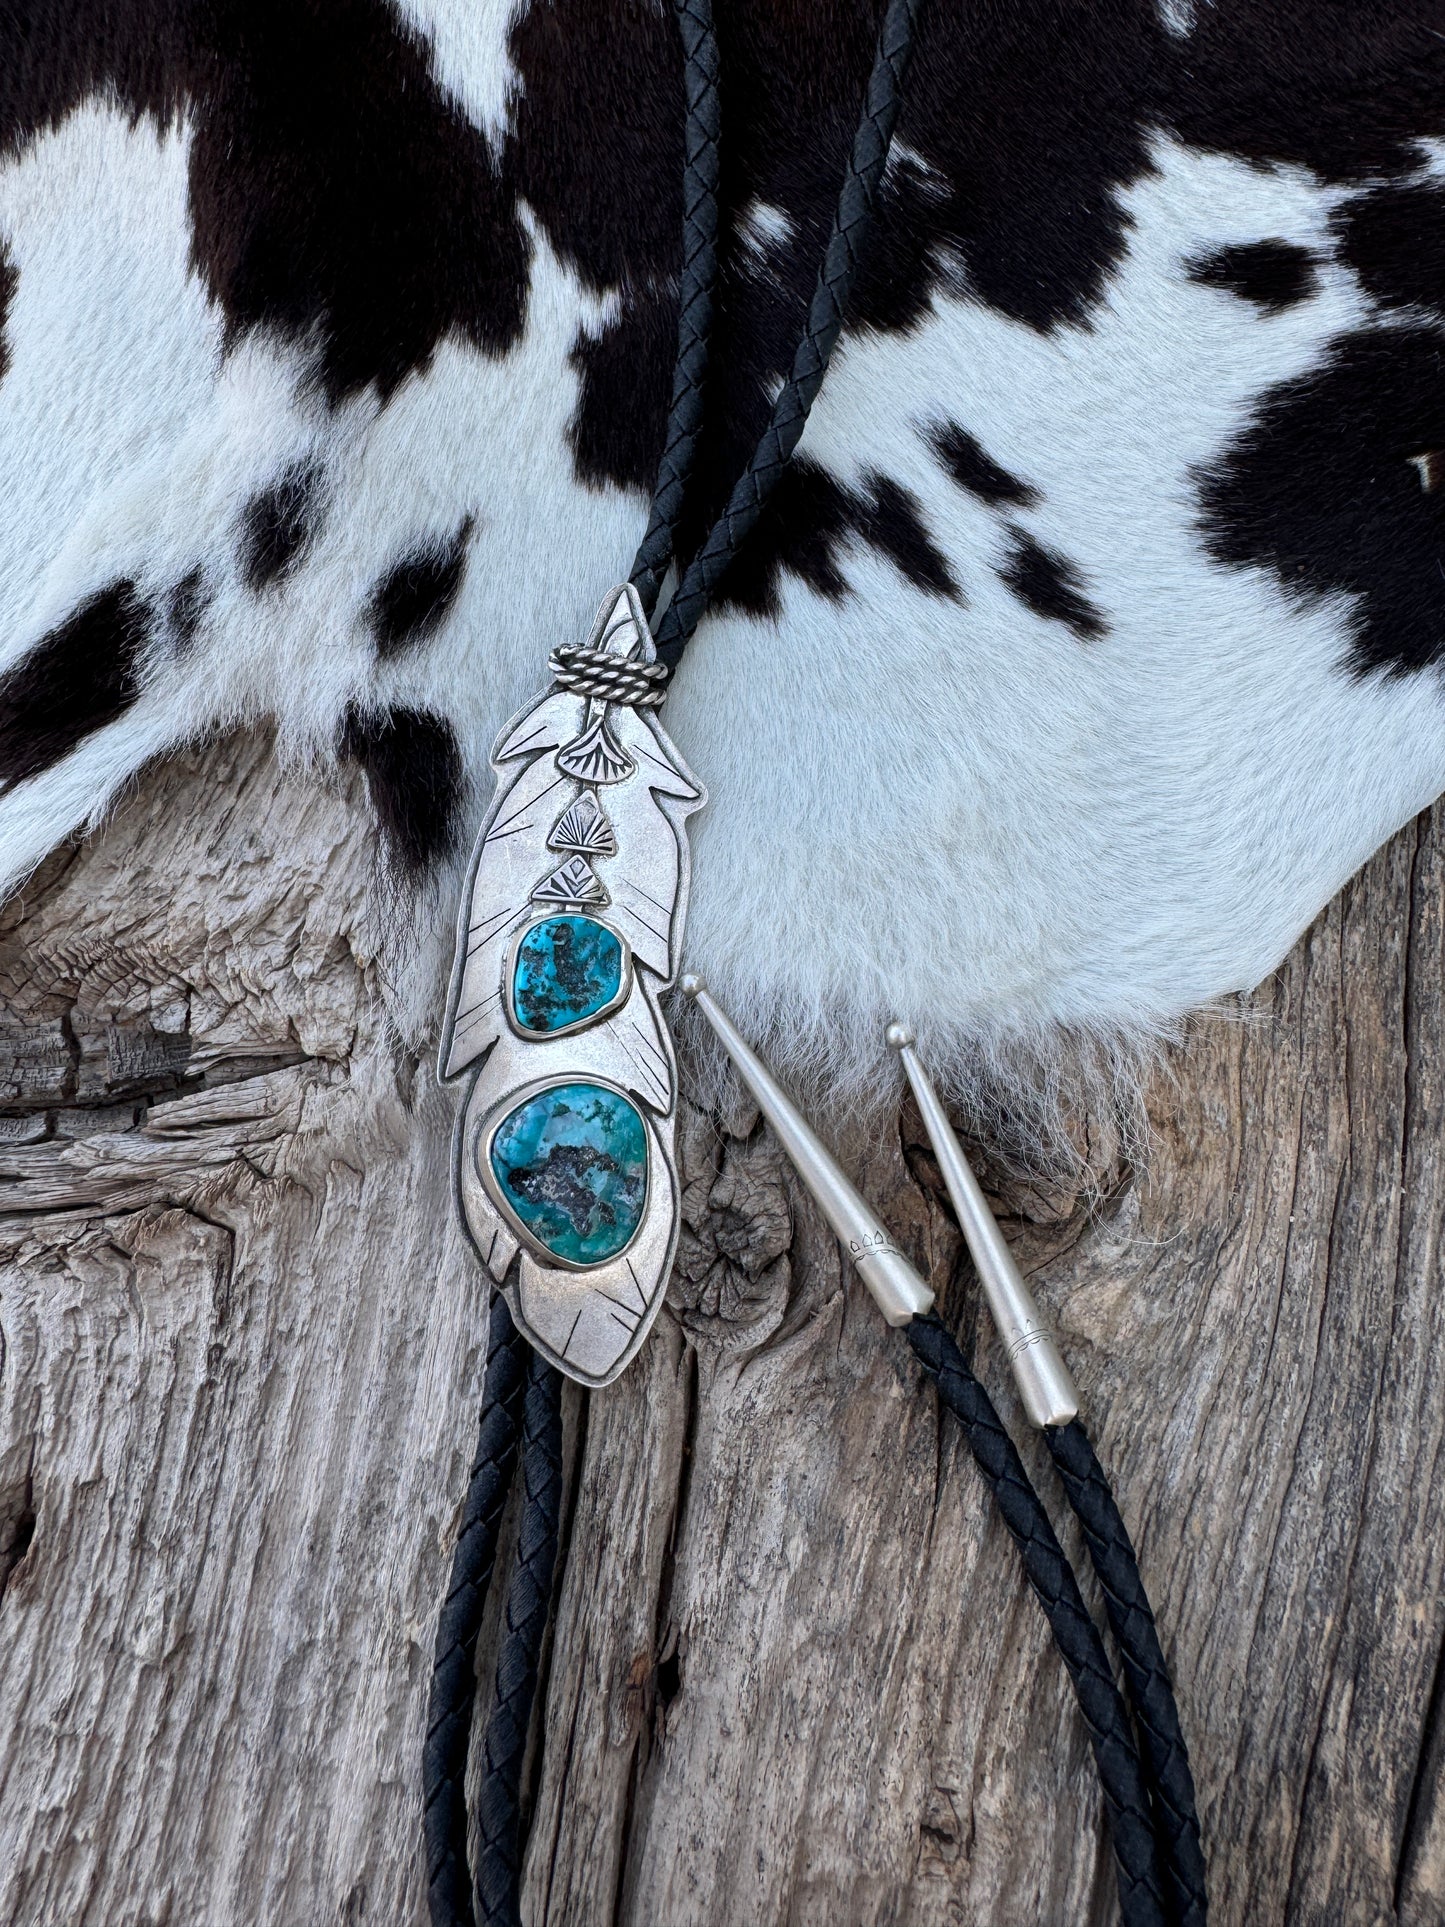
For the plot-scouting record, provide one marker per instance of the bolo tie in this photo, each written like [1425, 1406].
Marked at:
[564, 1168]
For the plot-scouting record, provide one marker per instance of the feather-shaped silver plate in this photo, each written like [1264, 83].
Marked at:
[569, 931]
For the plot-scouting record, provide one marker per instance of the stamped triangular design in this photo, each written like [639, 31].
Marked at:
[583, 826]
[572, 882]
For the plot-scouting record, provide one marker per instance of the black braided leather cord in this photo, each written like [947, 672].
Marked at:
[529, 1597]
[851, 224]
[1052, 1578]
[453, 1685]
[1151, 1692]
[701, 136]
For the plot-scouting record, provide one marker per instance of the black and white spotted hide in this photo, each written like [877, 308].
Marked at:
[1094, 638]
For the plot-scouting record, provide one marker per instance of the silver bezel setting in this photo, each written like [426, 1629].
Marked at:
[509, 966]
[482, 1155]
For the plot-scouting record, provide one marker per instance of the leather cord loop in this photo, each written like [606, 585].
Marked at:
[1141, 1900]
[519, 1658]
[1151, 1692]
[453, 1685]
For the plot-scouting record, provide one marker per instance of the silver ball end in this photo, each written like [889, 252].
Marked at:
[691, 984]
[898, 1036]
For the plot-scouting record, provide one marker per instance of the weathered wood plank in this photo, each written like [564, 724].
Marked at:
[795, 1675]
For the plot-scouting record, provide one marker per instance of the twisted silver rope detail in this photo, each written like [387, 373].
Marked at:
[595, 672]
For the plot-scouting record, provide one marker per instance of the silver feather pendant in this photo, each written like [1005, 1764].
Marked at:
[569, 931]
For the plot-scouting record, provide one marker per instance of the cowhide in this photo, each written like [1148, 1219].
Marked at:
[1094, 638]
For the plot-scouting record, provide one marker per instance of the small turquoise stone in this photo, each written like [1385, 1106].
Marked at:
[567, 969]
[572, 1163]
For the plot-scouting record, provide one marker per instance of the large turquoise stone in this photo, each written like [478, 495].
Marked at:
[567, 969]
[572, 1163]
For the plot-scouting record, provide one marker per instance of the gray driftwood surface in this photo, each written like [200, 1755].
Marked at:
[796, 1675]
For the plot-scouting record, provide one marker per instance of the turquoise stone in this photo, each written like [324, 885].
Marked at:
[572, 1163]
[567, 969]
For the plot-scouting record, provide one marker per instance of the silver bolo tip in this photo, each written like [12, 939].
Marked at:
[897, 1290]
[1039, 1371]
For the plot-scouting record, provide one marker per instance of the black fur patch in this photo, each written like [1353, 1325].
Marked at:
[414, 774]
[973, 468]
[277, 523]
[1324, 490]
[1274, 275]
[76, 679]
[800, 531]
[1394, 239]
[414, 596]
[9, 282]
[615, 442]
[596, 149]
[185, 605]
[335, 188]
[1050, 585]
[811, 519]
[1344, 89]
[336, 193]
[891, 519]
[1036, 116]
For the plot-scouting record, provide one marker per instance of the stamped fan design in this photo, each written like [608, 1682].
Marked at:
[596, 757]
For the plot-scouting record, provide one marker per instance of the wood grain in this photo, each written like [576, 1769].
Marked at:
[795, 1676]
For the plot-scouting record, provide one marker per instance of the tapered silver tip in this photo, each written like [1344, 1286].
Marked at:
[1042, 1377]
[895, 1286]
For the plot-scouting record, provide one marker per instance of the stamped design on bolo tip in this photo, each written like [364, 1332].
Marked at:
[570, 929]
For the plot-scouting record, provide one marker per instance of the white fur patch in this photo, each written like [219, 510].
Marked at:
[763, 226]
[468, 41]
[113, 348]
[956, 812]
